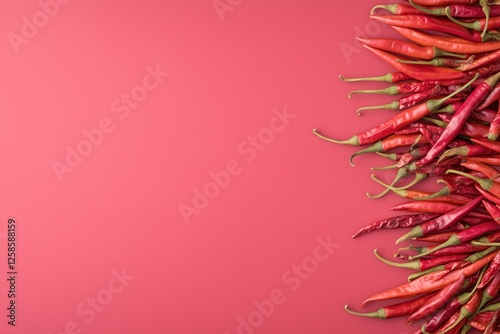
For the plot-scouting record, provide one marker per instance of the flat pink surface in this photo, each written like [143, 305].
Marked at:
[159, 161]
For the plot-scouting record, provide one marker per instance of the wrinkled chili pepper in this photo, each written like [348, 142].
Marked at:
[395, 222]
[424, 264]
[493, 210]
[460, 117]
[486, 184]
[442, 222]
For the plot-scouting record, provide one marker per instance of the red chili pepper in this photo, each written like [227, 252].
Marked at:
[453, 250]
[479, 62]
[406, 48]
[414, 154]
[493, 160]
[393, 77]
[450, 44]
[464, 236]
[459, 118]
[440, 62]
[416, 194]
[397, 310]
[395, 222]
[486, 170]
[445, 2]
[492, 324]
[442, 222]
[492, 145]
[424, 264]
[465, 311]
[487, 195]
[438, 300]
[460, 11]
[425, 22]
[494, 130]
[419, 72]
[491, 290]
[397, 122]
[391, 142]
[465, 151]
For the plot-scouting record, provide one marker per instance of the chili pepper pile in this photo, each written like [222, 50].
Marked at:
[446, 125]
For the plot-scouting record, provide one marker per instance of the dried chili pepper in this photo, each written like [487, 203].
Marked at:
[395, 222]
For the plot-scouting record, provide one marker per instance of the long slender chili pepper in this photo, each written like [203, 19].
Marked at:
[465, 311]
[406, 48]
[398, 88]
[469, 129]
[440, 62]
[397, 122]
[435, 207]
[492, 145]
[456, 10]
[479, 24]
[392, 77]
[430, 282]
[460, 117]
[442, 222]
[484, 115]
[453, 250]
[492, 271]
[390, 142]
[419, 72]
[494, 130]
[424, 264]
[396, 310]
[488, 195]
[445, 2]
[438, 300]
[492, 324]
[484, 60]
[464, 236]
[428, 23]
[395, 222]
[492, 160]
[450, 44]
[416, 194]
[491, 290]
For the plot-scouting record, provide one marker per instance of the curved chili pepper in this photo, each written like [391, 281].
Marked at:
[416, 194]
[493, 160]
[460, 117]
[391, 142]
[397, 122]
[395, 222]
[419, 72]
[392, 77]
[465, 311]
[442, 222]
[488, 171]
[393, 311]
[450, 44]
[435, 302]
[469, 129]
[456, 10]
[418, 21]
[479, 62]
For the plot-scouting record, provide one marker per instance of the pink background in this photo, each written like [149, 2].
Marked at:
[118, 209]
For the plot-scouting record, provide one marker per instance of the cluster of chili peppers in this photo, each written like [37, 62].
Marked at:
[447, 76]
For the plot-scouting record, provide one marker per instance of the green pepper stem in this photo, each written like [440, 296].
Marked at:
[411, 265]
[436, 104]
[390, 8]
[434, 11]
[443, 192]
[461, 151]
[386, 78]
[385, 167]
[377, 314]
[374, 148]
[391, 90]
[351, 141]
[485, 244]
[452, 241]
[415, 232]
[433, 62]
[439, 53]
[394, 105]
[390, 156]
[486, 10]
[414, 276]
